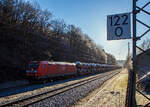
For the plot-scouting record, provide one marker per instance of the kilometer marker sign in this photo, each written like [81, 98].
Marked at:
[118, 26]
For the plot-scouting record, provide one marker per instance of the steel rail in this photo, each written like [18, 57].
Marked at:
[50, 93]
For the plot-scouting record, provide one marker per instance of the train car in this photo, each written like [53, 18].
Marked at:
[45, 69]
[83, 68]
[88, 68]
[39, 70]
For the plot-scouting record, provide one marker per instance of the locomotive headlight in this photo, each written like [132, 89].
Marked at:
[35, 71]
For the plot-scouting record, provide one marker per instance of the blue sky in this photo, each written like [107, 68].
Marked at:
[90, 16]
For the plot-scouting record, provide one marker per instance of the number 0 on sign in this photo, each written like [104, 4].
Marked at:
[118, 26]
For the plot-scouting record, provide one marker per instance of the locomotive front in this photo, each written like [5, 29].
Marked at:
[32, 70]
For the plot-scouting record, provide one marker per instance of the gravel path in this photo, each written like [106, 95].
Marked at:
[70, 97]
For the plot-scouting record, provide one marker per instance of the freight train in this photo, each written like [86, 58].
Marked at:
[40, 70]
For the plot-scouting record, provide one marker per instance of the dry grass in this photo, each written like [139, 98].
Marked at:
[141, 100]
[111, 94]
[123, 82]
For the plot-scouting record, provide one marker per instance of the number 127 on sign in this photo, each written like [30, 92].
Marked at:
[118, 26]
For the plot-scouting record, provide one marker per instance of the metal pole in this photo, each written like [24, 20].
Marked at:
[128, 49]
[133, 104]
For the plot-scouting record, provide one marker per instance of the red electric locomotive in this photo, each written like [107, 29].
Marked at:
[46, 69]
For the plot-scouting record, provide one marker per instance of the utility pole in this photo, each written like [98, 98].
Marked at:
[133, 96]
[128, 49]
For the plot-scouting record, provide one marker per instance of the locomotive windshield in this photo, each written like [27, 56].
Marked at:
[33, 65]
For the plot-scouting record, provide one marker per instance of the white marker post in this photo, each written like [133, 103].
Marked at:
[118, 26]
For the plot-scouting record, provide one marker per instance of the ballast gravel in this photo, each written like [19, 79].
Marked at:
[68, 98]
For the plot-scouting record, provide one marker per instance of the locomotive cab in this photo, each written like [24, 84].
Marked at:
[32, 69]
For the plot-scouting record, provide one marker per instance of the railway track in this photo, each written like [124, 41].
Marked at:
[53, 92]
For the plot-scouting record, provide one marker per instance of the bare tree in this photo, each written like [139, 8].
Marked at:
[144, 45]
[58, 26]
[111, 59]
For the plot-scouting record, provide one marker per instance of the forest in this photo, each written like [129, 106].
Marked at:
[29, 33]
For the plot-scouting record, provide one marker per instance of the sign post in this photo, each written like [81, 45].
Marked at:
[118, 26]
[134, 39]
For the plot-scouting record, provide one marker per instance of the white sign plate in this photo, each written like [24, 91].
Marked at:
[118, 26]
